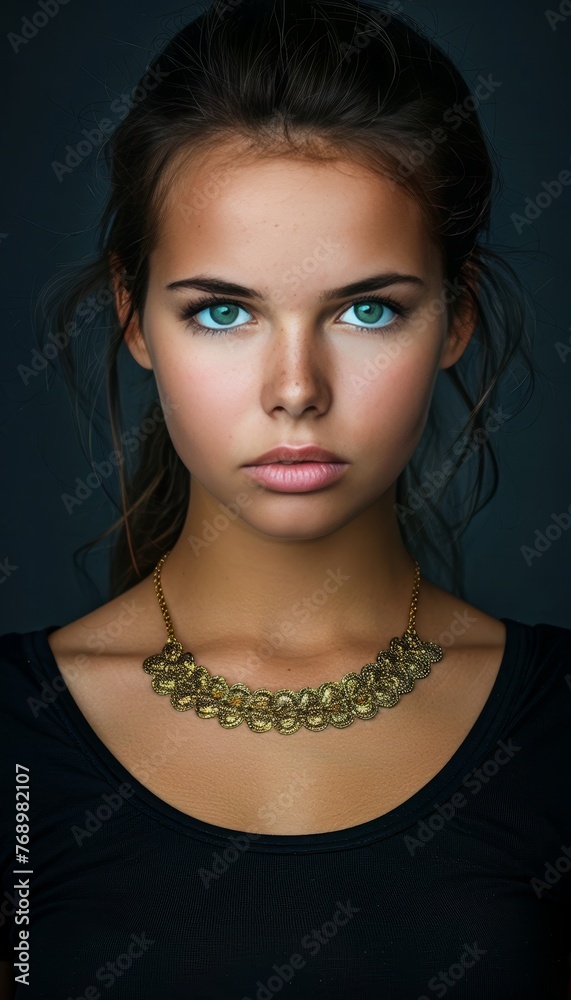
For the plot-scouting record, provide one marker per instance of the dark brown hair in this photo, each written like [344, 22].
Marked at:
[334, 78]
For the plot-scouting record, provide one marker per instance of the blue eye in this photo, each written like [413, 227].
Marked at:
[373, 313]
[224, 313]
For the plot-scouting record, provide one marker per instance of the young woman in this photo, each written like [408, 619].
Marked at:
[294, 248]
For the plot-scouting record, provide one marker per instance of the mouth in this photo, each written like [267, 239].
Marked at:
[299, 476]
[296, 455]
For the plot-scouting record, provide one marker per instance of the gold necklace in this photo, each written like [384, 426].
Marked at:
[355, 696]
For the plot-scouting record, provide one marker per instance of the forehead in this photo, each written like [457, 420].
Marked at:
[232, 205]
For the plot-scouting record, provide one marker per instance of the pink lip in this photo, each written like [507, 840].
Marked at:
[293, 453]
[303, 477]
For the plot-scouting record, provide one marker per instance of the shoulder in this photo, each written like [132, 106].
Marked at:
[114, 628]
[537, 654]
[132, 622]
[457, 621]
[29, 686]
[451, 621]
[126, 627]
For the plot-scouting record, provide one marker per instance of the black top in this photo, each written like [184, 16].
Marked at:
[465, 887]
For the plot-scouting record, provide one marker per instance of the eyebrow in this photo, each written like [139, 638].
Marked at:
[206, 283]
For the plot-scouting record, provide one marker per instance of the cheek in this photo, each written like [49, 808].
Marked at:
[390, 401]
[205, 403]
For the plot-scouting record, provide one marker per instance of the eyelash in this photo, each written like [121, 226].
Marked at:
[188, 312]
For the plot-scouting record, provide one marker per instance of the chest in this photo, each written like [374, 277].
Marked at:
[302, 783]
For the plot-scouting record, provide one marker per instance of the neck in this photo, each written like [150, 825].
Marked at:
[226, 581]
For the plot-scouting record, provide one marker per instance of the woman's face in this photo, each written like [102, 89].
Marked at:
[292, 358]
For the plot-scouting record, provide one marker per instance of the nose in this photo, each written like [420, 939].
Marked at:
[296, 371]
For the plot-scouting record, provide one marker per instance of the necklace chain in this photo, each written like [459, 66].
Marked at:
[379, 684]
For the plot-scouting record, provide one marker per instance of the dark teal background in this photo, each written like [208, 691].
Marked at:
[68, 77]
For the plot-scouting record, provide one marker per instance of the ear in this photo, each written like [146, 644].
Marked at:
[132, 333]
[464, 320]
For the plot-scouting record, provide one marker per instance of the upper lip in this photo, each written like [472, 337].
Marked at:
[299, 453]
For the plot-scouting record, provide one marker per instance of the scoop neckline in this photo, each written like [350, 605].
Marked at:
[485, 729]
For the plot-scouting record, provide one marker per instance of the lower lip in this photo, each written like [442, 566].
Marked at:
[302, 477]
